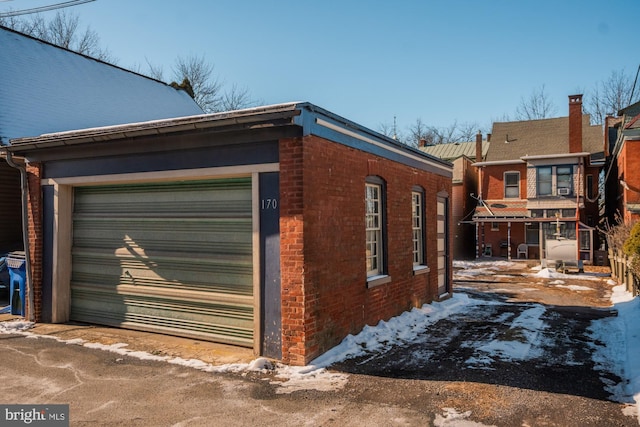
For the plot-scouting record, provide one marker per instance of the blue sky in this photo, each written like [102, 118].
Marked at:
[440, 61]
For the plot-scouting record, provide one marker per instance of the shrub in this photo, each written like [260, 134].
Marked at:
[631, 249]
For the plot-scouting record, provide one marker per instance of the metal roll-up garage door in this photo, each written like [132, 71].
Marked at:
[167, 257]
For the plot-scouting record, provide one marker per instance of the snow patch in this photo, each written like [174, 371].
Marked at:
[15, 326]
[617, 345]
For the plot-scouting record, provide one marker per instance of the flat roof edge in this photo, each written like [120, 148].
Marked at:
[177, 124]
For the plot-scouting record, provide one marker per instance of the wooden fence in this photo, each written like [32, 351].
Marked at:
[621, 273]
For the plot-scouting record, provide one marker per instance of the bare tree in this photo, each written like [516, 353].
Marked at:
[611, 95]
[456, 132]
[236, 98]
[390, 130]
[537, 106]
[419, 131]
[467, 131]
[64, 31]
[154, 71]
[206, 86]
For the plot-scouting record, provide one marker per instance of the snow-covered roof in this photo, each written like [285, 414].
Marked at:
[44, 89]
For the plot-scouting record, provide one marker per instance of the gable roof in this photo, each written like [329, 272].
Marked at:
[454, 150]
[634, 123]
[45, 88]
[512, 140]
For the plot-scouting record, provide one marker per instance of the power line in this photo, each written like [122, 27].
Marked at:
[633, 89]
[44, 8]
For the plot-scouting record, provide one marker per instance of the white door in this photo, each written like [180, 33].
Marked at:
[443, 245]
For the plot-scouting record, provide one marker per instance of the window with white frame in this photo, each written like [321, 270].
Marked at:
[417, 224]
[374, 227]
[511, 185]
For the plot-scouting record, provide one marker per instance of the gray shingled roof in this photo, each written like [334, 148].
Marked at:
[540, 137]
[454, 150]
[45, 89]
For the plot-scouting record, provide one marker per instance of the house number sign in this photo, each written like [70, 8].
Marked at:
[267, 204]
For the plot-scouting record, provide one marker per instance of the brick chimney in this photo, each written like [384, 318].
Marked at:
[575, 123]
[478, 147]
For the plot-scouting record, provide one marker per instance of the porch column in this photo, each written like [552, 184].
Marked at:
[477, 241]
[509, 240]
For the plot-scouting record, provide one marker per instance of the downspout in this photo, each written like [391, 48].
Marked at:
[25, 232]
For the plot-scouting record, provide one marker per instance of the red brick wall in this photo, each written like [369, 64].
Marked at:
[34, 175]
[502, 234]
[324, 292]
[493, 180]
[628, 167]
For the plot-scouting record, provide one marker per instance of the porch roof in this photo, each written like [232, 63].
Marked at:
[496, 210]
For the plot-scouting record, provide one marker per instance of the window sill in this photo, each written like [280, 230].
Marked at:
[378, 280]
[420, 269]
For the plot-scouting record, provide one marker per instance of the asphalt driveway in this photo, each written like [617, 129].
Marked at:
[519, 354]
[522, 354]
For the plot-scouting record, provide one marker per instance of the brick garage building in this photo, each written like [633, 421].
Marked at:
[282, 228]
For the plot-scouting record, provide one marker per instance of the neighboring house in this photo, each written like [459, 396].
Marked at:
[45, 88]
[281, 228]
[539, 186]
[465, 184]
[622, 178]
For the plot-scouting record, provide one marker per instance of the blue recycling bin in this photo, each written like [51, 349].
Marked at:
[17, 278]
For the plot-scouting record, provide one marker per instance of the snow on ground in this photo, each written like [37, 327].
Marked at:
[524, 344]
[550, 273]
[621, 348]
[618, 354]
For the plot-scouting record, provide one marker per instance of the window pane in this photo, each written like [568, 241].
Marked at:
[533, 234]
[418, 228]
[373, 223]
[511, 185]
[585, 240]
[564, 179]
[544, 181]
[511, 192]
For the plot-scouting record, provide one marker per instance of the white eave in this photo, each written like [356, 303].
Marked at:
[555, 156]
[527, 158]
[498, 162]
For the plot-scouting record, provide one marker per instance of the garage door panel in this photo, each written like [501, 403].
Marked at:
[207, 198]
[170, 257]
[177, 234]
[232, 323]
[224, 274]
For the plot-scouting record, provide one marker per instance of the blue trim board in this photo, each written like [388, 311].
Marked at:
[308, 119]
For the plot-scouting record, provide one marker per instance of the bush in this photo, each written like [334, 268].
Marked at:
[632, 244]
[631, 249]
